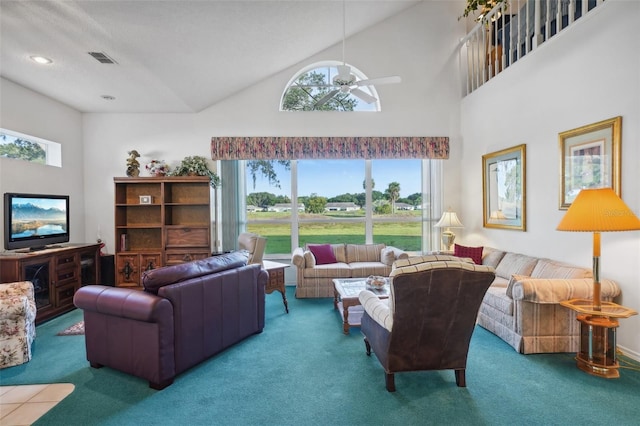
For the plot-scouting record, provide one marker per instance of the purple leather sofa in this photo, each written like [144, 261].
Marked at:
[186, 314]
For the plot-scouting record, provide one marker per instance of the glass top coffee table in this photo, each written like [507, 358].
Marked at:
[346, 291]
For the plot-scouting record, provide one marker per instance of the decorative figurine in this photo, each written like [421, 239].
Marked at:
[133, 166]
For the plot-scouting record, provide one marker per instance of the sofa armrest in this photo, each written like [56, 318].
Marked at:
[121, 302]
[556, 290]
[377, 309]
[297, 258]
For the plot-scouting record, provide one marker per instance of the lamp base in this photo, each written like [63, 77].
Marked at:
[448, 238]
[597, 354]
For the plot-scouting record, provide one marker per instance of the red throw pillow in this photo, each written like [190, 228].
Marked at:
[323, 253]
[474, 253]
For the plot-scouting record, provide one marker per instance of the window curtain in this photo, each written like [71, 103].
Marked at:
[232, 215]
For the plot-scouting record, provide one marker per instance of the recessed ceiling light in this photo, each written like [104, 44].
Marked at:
[108, 97]
[41, 60]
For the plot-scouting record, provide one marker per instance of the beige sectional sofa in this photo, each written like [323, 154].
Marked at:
[522, 305]
[353, 261]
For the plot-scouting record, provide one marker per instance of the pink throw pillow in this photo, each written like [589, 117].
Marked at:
[323, 253]
[474, 253]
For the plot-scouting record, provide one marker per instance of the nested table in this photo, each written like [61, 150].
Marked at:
[346, 291]
[276, 280]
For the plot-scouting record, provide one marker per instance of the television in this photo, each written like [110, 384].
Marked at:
[35, 221]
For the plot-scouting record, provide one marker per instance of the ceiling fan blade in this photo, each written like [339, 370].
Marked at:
[363, 95]
[380, 80]
[326, 98]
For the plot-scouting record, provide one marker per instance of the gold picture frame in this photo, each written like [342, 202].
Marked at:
[504, 189]
[590, 158]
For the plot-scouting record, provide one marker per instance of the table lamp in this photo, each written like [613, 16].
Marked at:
[448, 220]
[598, 210]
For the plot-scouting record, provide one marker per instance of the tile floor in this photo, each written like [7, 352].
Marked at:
[23, 405]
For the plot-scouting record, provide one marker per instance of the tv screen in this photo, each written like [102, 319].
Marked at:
[35, 221]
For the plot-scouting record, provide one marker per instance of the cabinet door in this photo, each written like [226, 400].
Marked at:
[127, 270]
[149, 261]
[39, 272]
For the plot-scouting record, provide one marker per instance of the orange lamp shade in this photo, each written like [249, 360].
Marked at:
[599, 210]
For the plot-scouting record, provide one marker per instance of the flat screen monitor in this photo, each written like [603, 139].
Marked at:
[35, 221]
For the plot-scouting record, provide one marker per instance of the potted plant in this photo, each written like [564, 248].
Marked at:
[485, 6]
[196, 166]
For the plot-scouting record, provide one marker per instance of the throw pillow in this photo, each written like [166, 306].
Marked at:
[474, 253]
[323, 253]
[388, 256]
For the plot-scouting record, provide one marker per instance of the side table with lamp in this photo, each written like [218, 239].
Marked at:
[598, 210]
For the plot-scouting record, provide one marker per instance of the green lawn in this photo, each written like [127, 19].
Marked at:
[404, 235]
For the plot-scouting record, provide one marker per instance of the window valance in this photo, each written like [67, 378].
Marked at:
[332, 147]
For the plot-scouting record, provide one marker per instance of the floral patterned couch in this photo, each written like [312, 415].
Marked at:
[17, 323]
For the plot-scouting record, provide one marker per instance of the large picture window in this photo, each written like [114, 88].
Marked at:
[343, 201]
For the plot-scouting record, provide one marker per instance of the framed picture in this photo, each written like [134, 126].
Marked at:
[589, 158]
[504, 189]
[146, 199]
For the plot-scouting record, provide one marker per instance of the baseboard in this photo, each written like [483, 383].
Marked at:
[629, 353]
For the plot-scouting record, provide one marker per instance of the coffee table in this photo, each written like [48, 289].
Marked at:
[346, 291]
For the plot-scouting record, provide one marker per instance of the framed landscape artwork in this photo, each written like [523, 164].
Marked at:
[590, 158]
[504, 189]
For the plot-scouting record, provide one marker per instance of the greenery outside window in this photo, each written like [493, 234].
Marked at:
[23, 147]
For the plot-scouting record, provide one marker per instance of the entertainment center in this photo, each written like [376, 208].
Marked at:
[56, 274]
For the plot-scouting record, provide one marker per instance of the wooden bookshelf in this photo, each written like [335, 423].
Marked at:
[160, 221]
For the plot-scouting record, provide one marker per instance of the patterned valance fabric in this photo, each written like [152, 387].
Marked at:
[333, 147]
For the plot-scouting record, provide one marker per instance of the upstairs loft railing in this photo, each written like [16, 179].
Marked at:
[512, 30]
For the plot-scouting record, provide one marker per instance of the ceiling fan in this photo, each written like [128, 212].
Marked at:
[346, 82]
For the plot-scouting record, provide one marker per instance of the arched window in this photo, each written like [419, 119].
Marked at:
[314, 89]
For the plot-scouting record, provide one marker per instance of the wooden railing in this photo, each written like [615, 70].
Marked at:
[512, 30]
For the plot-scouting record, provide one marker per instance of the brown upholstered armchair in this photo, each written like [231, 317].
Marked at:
[428, 320]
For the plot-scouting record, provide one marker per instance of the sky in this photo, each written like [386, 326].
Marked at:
[329, 178]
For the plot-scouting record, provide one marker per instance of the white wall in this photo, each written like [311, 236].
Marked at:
[419, 45]
[31, 113]
[588, 74]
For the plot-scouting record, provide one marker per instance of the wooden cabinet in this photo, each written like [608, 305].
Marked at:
[158, 222]
[56, 275]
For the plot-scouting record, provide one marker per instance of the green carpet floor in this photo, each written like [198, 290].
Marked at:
[303, 371]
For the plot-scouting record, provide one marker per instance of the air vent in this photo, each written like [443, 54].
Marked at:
[102, 58]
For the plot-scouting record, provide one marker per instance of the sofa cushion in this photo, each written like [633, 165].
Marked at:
[364, 269]
[364, 252]
[323, 254]
[387, 256]
[154, 279]
[498, 300]
[491, 257]
[474, 253]
[333, 270]
[515, 263]
[546, 268]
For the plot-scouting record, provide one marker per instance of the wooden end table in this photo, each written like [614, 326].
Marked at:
[276, 280]
[346, 291]
[597, 355]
